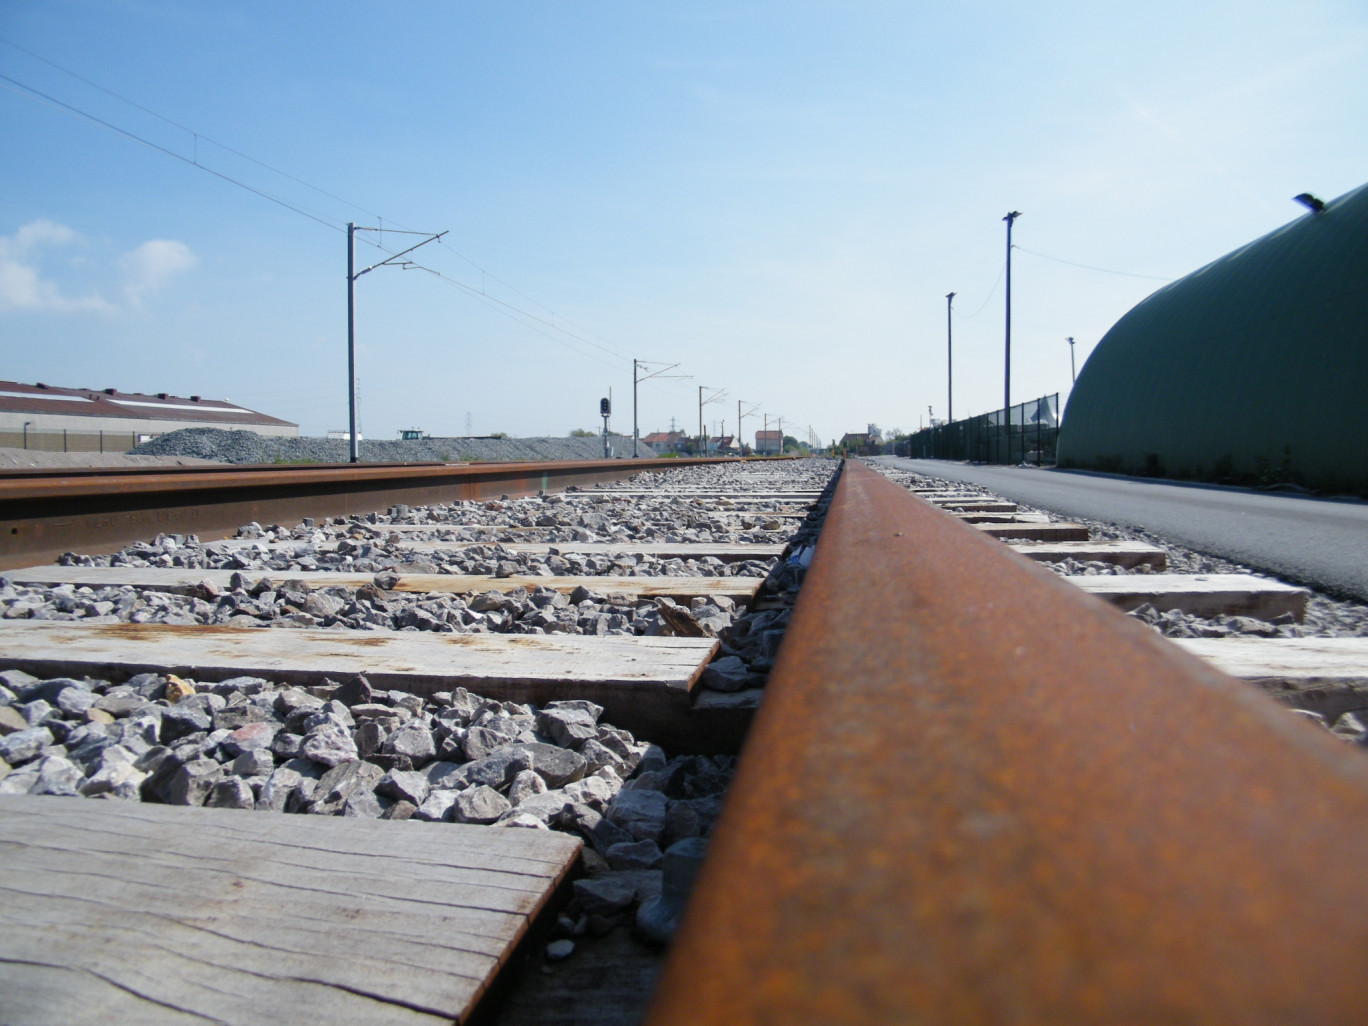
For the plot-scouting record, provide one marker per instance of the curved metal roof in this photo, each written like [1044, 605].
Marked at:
[1254, 367]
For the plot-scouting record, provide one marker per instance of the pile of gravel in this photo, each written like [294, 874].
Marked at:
[249, 447]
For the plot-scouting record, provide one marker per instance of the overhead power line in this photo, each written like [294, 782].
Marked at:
[991, 293]
[489, 300]
[195, 133]
[1089, 267]
[509, 309]
[30, 92]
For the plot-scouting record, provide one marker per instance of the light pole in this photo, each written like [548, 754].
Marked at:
[26, 427]
[1007, 364]
[643, 364]
[949, 362]
[1073, 371]
[352, 275]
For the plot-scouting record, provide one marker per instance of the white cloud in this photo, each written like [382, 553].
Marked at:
[27, 284]
[152, 265]
[22, 287]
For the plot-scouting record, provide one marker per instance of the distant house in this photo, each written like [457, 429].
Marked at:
[669, 441]
[859, 443]
[722, 445]
[769, 443]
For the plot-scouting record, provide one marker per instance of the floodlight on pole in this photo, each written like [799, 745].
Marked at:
[1007, 361]
[1073, 371]
[352, 275]
[949, 362]
[1310, 202]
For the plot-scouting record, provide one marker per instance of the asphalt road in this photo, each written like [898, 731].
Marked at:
[1322, 543]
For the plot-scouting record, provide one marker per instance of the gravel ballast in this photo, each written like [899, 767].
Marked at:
[222, 446]
[346, 749]
[372, 544]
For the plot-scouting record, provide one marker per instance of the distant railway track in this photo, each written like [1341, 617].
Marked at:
[973, 792]
[45, 512]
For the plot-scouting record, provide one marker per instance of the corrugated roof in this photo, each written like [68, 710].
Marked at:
[17, 397]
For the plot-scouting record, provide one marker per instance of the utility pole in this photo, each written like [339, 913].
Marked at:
[949, 363]
[739, 439]
[643, 364]
[352, 275]
[781, 431]
[1073, 371]
[717, 396]
[1007, 366]
[351, 344]
[702, 440]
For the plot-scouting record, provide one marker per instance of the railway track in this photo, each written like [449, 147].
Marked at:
[401, 625]
[1009, 803]
[973, 791]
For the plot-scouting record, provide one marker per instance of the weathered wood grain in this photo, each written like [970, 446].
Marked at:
[118, 912]
[976, 505]
[1199, 594]
[727, 553]
[1120, 553]
[1036, 531]
[702, 493]
[642, 683]
[970, 517]
[1324, 675]
[185, 581]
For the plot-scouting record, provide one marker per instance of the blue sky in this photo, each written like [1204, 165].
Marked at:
[776, 196]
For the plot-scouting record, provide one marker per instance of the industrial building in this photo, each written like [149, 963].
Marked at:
[106, 420]
[1253, 369]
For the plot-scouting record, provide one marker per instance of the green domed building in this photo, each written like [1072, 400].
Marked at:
[1252, 369]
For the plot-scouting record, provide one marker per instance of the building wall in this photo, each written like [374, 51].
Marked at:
[1253, 368]
[85, 434]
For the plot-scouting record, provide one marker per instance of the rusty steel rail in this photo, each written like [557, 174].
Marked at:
[45, 514]
[974, 794]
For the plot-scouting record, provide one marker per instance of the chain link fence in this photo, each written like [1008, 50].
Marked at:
[63, 440]
[1026, 433]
